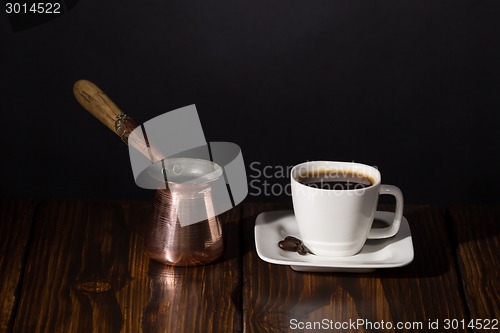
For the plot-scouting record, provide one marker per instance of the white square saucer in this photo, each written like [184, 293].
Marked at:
[273, 226]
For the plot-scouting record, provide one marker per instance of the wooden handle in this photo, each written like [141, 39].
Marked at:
[95, 101]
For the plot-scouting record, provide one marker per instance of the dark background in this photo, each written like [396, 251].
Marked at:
[409, 86]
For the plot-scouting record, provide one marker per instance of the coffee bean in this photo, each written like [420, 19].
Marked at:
[293, 239]
[287, 245]
[301, 249]
[307, 249]
[294, 244]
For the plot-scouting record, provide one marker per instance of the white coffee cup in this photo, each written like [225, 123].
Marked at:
[335, 221]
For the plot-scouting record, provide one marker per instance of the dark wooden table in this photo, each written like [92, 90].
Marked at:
[80, 266]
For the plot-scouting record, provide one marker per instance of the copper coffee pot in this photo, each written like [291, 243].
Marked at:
[165, 239]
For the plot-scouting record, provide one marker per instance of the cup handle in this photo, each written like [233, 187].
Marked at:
[378, 233]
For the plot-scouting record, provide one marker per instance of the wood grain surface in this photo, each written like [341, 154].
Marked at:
[80, 266]
[478, 234]
[427, 289]
[16, 217]
[87, 272]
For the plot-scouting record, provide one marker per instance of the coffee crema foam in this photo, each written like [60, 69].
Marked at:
[335, 179]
